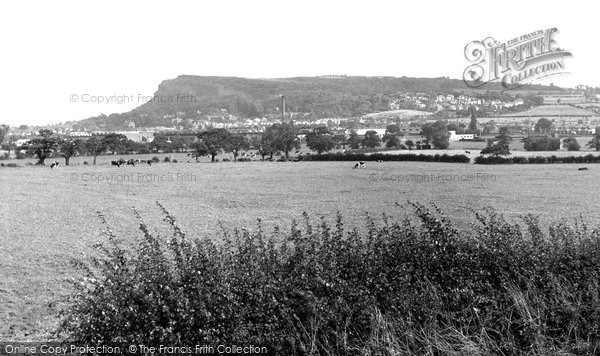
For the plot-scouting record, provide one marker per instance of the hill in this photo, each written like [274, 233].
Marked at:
[193, 97]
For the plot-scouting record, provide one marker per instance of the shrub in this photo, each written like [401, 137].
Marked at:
[415, 286]
[537, 159]
[174, 160]
[155, 159]
[9, 165]
[388, 157]
[167, 159]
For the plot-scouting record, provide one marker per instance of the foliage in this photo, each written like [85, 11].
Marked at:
[320, 140]
[371, 139]
[354, 140]
[543, 125]
[414, 286]
[595, 142]
[43, 146]
[216, 141]
[284, 137]
[500, 148]
[388, 157]
[437, 134]
[571, 144]
[68, 148]
[543, 143]
[537, 159]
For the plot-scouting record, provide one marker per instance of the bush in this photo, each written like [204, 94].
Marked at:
[244, 159]
[174, 160]
[537, 159]
[416, 286]
[388, 157]
[9, 165]
[167, 160]
[155, 159]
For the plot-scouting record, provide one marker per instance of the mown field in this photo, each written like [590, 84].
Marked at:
[49, 216]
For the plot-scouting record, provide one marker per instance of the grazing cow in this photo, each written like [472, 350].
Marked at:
[379, 161]
[583, 169]
[359, 165]
[85, 163]
[54, 164]
[469, 152]
[149, 162]
[116, 163]
[138, 160]
[130, 162]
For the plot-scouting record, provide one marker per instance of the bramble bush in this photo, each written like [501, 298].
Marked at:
[388, 157]
[413, 286]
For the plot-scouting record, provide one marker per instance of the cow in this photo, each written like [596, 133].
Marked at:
[583, 169]
[359, 165]
[116, 163]
[469, 152]
[54, 164]
[130, 162]
[149, 162]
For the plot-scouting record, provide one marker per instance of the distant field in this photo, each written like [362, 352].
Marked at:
[49, 215]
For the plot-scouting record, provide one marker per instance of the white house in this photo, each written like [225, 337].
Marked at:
[362, 132]
[457, 137]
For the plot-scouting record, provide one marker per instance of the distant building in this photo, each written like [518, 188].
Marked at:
[362, 132]
[457, 137]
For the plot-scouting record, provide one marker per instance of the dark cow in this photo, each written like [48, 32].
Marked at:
[116, 163]
[54, 164]
[583, 169]
[359, 165]
[130, 162]
[149, 162]
[469, 152]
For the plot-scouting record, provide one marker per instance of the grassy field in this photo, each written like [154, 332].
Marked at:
[49, 216]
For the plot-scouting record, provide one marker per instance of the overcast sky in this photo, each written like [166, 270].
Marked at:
[52, 50]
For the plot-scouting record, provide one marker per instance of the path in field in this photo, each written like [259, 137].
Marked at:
[48, 216]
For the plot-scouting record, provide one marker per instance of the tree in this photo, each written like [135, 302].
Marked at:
[94, 146]
[216, 141]
[571, 144]
[371, 139]
[69, 148]
[114, 142]
[410, 144]
[437, 133]
[320, 140]
[500, 148]
[3, 131]
[595, 142]
[199, 149]
[285, 137]
[543, 125]
[473, 122]
[267, 145]
[392, 130]
[391, 141]
[43, 147]
[353, 140]
[235, 144]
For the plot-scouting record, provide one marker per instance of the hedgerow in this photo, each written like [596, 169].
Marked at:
[413, 286]
[537, 159]
[388, 157]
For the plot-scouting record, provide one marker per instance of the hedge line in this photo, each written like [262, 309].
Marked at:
[388, 157]
[537, 159]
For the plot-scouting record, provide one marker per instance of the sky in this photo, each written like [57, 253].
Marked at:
[57, 57]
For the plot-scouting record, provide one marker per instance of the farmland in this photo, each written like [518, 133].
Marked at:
[49, 216]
